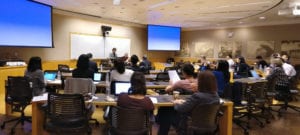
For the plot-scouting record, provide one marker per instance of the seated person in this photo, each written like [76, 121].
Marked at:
[281, 79]
[34, 71]
[145, 65]
[92, 65]
[241, 68]
[189, 83]
[136, 97]
[82, 69]
[134, 59]
[119, 73]
[206, 94]
[222, 75]
[261, 63]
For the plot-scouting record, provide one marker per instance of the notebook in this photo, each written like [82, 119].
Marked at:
[119, 87]
[50, 76]
[174, 77]
[97, 77]
[254, 74]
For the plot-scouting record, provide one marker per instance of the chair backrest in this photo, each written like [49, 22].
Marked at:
[18, 89]
[162, 77]
[204, 118]
[129, 121]
[65, 106]
[63, 68]
[79, 86]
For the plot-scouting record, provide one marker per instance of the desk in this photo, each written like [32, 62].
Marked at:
[163, 100]
[102, 84]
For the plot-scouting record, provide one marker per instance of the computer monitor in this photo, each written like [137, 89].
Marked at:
[97, 77]
[118, 87]
[254, 74]
[50, 75]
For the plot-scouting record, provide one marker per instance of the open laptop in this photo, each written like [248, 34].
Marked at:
[254, 74]
[50, 76]
[119, 87]
[97, 77]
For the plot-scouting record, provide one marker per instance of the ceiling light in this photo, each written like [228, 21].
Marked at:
[241, 22]
[262, 18]
[116, 2]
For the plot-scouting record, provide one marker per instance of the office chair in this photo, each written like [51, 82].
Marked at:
[164, 76]
[63, 68]
[66, 113]
[85, 87]
[205, 119]
[19, 95]
[126, 121]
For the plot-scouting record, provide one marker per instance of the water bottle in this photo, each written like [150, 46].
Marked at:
[107, 83]
[58, 75]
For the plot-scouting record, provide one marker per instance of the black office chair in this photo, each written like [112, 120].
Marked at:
[66, 113]
[19, 95]
[205, 119]
[129, 121]
[162, 76]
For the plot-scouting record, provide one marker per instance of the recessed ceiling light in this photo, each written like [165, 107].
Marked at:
[241, 22]
[262, 18]
[116, 2]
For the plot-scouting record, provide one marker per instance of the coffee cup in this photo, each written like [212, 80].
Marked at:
[176, 95]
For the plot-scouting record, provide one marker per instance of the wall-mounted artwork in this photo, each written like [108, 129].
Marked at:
[262, 48]
[202, 48]
[229, 47]
[184, 50]
[291, 47]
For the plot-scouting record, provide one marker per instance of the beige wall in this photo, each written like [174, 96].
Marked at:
[275, 33]
[63, 25]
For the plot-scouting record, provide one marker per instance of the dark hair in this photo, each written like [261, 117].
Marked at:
[229, 55]
[223, 66]
[83, 62]
[119, 66]
[138, 83]
[34, 64]
[188, 69]
[258, 57]
[207, 82]
[242, 59]
[134, 59]
[90, 55]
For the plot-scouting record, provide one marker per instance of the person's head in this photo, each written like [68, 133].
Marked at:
[34, 64]
[203, 57]
[207, 82]
[223, 66]
[259, 57]
[240, 59]
[90, 55]
[134, 59]
[138, 83]
[229, 56]
[144, 57]
[275, 55]
[83, 62]
[285, 57]
[188, 69]
[114, 50]
[277, 62]
[119, 66]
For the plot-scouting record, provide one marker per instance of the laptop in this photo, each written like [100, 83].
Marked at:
[97, 77]
[119, 87]
[50, 76]
[254, 74]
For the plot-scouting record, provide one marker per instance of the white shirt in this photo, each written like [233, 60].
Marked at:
[289, 69]
[231, 65]
[116, 76]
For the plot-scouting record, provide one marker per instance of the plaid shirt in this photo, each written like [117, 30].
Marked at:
[280, 77]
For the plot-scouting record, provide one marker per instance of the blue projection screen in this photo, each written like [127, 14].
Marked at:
[163, 38]
[25, 23]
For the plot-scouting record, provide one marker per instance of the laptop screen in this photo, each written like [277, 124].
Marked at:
[254, 74]
[50, 76]
[120, 87]
[97, 77]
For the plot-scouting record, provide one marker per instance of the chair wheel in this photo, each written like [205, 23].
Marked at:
[246, 132]
[2, 126]
[262, 125]
[97, 123]
[268, 122]
[12, 132]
